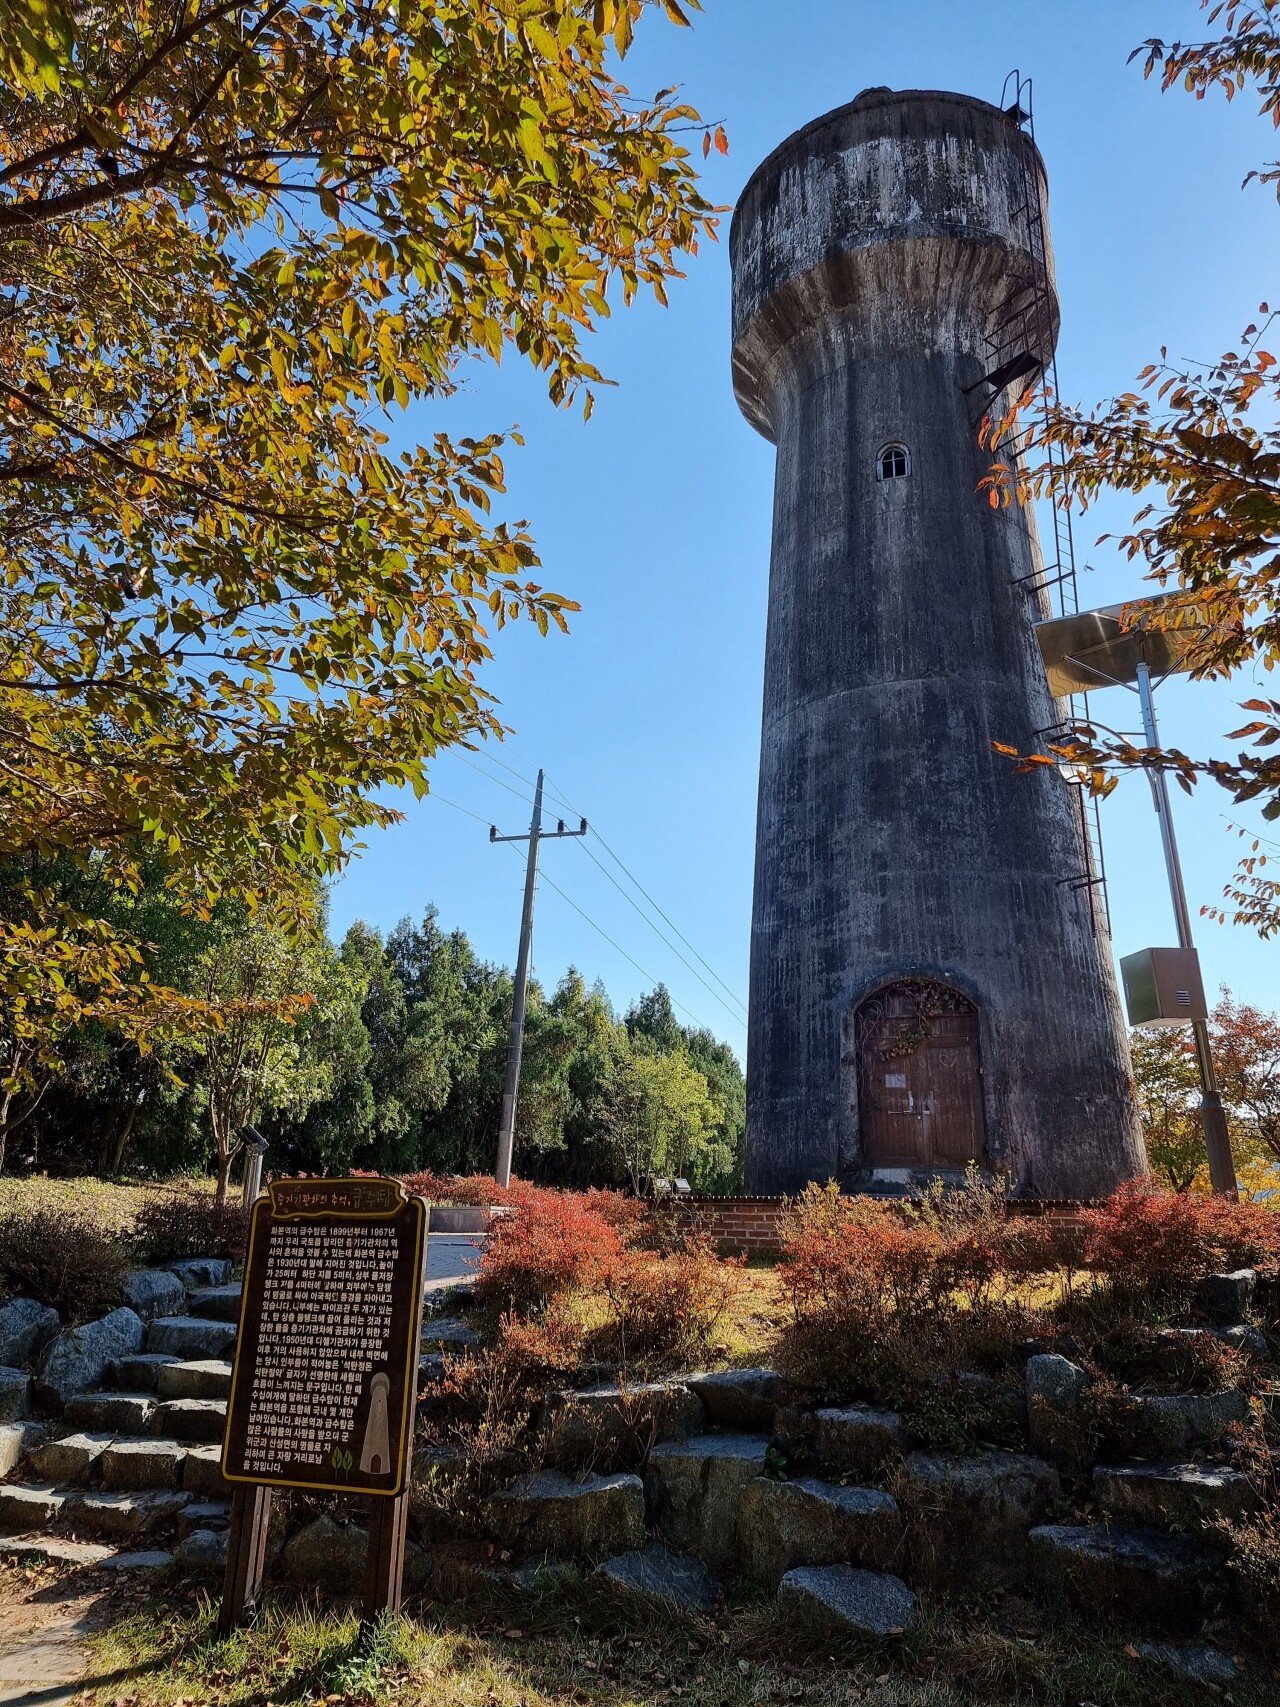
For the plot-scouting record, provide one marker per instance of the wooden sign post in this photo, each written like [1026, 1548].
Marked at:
[325, 1379]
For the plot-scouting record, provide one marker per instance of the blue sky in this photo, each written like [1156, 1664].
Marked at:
[655, 516]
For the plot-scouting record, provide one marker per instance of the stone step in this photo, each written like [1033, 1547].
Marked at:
[191, 1336]
[693, 1489]
[744, 1400]
[55, 1550]
[448, 1333]
[202, 1474]
[203, 1514]
[15, 1393]
[153, 1292]
[16, 1440]
[203, 1551]
[132, 1466]
[141, 1373]
[201, 1378]
[122, 1516]
[1134, 1576]
[197, 1272]
[843, 1601]
[1185, 1497]
[806, 1522]
[31, 1505]
[550, 1513]
[74, 1459]
[1167, 1425]
[216, 1303]
[118, 1413]
[190, 1419]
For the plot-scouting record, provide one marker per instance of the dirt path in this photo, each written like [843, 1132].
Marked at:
[45, 1618]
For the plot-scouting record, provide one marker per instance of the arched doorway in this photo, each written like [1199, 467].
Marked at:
[919, 1077]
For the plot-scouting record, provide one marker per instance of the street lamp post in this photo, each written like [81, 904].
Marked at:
[1117, 646]
[1213, 1117]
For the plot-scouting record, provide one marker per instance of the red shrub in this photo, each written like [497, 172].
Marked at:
[552, 1242]
[663, 1308]
[628, 1216]
[847, 1251]
[1154, 1243]
[474, 1190]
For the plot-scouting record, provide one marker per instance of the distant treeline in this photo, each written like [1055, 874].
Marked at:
[388, 1054]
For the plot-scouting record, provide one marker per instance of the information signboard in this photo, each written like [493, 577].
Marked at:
[326, 1358]
[324, 1380]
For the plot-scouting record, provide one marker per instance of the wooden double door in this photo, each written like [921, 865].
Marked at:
[919, 1078]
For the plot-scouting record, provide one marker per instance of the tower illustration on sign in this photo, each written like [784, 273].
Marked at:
[931, 973]
[375, 1455]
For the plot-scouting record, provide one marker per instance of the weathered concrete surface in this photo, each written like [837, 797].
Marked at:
[870, 253]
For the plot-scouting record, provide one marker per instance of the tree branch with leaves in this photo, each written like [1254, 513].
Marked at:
[236, 241]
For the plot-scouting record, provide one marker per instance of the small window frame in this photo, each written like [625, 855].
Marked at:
[893, 461]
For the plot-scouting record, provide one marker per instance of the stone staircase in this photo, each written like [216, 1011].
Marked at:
[127, 1474]
[860, 1524]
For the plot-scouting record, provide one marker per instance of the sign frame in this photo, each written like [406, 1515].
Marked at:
[252, 1495]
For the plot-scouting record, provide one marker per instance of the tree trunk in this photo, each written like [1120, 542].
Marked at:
[122, 1140]
[224, 1175]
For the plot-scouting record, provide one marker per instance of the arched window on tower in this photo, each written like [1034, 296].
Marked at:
[893, 462]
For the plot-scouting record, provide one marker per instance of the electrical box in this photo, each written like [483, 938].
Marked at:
[1162, 986]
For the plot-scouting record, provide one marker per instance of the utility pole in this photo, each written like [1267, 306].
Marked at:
[515, 1047]
[1213, 1119]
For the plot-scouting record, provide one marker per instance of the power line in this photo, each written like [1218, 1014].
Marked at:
[617, 947]
[633, 903]
[665, 917]
[736, 1011]
[621, 864]
[496, 780]
[657, 909]
[433, 794]
[494, 760]
[648, 976]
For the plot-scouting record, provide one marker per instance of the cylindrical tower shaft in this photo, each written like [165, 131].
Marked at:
[929, 983]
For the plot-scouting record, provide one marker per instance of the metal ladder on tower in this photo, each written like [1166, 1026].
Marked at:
[1021, 352]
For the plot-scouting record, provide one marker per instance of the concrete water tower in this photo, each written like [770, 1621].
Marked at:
[931, 975]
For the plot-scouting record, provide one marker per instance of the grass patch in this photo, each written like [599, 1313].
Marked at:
[577, 1646]
[112, 1205]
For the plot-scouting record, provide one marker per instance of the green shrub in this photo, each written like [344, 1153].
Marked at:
[62, 1260]
[178, 1224]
